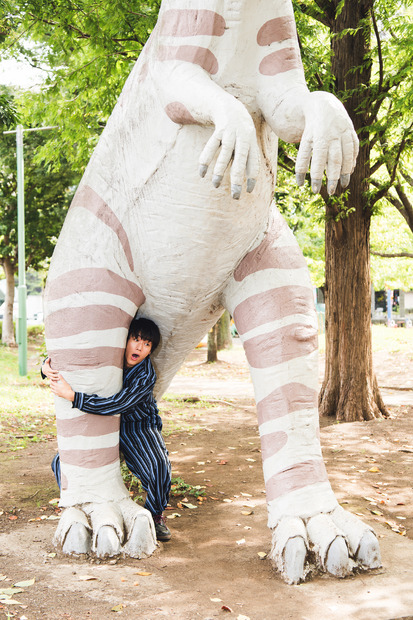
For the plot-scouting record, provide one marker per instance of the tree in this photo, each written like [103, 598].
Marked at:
[87, 50]
[47, 195]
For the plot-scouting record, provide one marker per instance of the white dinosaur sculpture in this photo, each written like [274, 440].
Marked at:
[216, 83]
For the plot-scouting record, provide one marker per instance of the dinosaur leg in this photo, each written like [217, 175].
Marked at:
[90, 299]
[271, 299]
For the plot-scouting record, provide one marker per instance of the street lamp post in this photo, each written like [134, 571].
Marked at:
[22, 289]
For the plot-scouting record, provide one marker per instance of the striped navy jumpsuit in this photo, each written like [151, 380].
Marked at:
[140, 437]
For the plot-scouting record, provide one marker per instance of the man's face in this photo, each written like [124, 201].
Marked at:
[136, 350]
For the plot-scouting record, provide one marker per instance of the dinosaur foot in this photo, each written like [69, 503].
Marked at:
[335, 542]
[107, 529]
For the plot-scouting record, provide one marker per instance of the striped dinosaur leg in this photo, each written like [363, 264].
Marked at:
[270, 297]
[90, 299]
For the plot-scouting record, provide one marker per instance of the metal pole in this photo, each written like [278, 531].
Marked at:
[22, 290]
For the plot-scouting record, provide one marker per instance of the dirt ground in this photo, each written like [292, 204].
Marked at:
[212, 568]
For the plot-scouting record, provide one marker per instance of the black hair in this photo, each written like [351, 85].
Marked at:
[146, 329]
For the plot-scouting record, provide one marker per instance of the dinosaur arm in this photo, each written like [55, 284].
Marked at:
[320, 122]
[190, 96]
[317, 120]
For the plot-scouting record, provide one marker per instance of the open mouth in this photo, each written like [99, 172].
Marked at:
[135, 356]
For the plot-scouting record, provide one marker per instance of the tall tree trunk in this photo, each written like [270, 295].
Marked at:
[212, 344]
[8, 329]
[350, 391]
[224, 338]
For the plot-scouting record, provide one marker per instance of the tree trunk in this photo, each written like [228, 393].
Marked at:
[212, 344]
[350, 391]
[224, 338]
[7, 337]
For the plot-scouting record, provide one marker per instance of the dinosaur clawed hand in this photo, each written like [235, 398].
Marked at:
[329, 142]
[234, 138]
[107, 529]
[336, 543]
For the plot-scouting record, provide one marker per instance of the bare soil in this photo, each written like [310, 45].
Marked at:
[211, 568]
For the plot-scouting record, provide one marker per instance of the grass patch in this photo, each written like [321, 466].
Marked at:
[392, 340]
[27, 411]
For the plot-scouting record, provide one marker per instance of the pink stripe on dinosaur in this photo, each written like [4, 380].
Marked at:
[191, 53]
[87, 198]
[90, 459]
[268, 256]
[285, 400]
[281, 345]
[178, 113]
[272, 305]
[88, 425]
[276, 30]
[91, 280]
[294, 478]
[273, 443]
[280, 61]
[192, 22]
[70, 321]
[63, 481]
[85, 359]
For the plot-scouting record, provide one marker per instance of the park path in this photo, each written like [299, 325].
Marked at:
[394, 375]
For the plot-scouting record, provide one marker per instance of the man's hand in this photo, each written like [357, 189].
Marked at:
[48, 371]
[61, 388]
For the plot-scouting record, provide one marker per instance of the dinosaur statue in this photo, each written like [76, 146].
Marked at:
[174, 219]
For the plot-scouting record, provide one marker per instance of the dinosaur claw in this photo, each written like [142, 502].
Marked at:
[316, 185]
[216, 180]
[250, 185]
[344, 180]
[203, 170]
[300, 178]
[236, 191]
[331, 187]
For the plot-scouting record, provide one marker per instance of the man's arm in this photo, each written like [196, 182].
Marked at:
[121, 402]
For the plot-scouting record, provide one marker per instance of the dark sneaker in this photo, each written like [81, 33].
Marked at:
[162, 531]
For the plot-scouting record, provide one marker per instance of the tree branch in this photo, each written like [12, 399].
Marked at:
[392, 254]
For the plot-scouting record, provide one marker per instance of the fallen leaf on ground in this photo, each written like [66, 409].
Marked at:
[24, 584]
[143, 573]
[222, 462]
[118, 607]
[174, 515]
[54, 501]
[88, 578]
[226, 608]
[247, 512]
[216, 600]
[188, 505]
[374, 470]
[12, 517]
[262, 555]
[241, 542]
